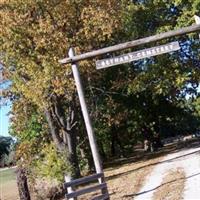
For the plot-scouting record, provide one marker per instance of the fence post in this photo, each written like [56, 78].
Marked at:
[88, 124]
[69, 189]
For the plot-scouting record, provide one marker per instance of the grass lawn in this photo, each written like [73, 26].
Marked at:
[8, 185]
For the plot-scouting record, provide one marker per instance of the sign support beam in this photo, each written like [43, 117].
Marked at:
[86, 116]
[88, 124]
[134, 43]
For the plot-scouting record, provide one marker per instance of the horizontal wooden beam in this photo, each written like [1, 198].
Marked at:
[83, 180]
[134, 43]
[86, 190]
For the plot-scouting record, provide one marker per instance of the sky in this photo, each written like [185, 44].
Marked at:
[4, 107]
[4, 120]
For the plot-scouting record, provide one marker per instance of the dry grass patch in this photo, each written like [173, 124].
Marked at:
[172, 186]
[126, 181]
[8, 185]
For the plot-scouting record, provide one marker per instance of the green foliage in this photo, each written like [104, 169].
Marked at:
[35, 150]
[34, 36]
[51, 164]
[5, 145]
[148, 93]
[152, 92]
[28, 123]
[8, 159]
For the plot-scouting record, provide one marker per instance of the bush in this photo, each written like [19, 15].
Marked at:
[52, 164]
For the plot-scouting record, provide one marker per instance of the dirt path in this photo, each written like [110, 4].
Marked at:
[189, 161]
[6, 168]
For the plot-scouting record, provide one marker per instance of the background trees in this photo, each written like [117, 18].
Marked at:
[5, 145]
[152, 93]
[34, 35]
[6, 151]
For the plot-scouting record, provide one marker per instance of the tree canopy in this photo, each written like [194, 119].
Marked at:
[158, 93]
[5, 145]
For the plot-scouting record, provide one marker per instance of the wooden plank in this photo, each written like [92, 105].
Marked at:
[101, 197]
[83, 180]
[86, 190]
[130, 44]
[137, 55]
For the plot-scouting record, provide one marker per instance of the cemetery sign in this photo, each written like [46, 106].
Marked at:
[137, 55]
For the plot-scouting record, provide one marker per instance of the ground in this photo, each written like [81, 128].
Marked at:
[170, 174]
[176, 177]
[143, 174]
[8, 185]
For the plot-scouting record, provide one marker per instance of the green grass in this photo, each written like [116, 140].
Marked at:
[7, 176]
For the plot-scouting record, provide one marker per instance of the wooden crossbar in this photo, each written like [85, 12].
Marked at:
[86, 190]
[83, 180]
[130, 44]
[72, 194]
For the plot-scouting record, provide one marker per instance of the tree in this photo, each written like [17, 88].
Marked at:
[5, 145]
[34, 35]
[22, 185]
[150, 92]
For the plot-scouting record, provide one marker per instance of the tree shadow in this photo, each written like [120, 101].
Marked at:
[141, 155]
[155, 188]
[164, 152]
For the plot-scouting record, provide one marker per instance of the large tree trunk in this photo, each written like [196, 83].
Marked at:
[116, 145]
[22, 184]
[72, 154]
[63, 131]
[70, 133]
[113, 150]
[58, 141]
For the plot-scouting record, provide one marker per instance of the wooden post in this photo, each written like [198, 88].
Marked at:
[88, 124]
[69, 189]
[90, 132]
